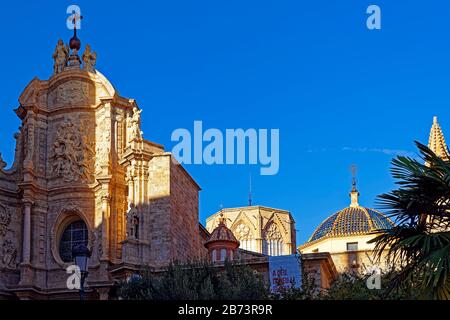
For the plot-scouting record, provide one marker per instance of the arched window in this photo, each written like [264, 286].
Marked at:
[75, 233]
[245, 237]
[223, 254]
[273, 241]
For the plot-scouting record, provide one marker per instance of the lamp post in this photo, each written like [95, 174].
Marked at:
[81, 255]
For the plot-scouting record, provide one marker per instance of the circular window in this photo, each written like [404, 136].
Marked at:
[75, 233]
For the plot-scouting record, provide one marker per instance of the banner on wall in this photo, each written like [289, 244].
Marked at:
[285, 272]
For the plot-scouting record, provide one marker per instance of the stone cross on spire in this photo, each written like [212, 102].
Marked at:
[436, 142]
[76, 18]
[74, 60]
[75, 43]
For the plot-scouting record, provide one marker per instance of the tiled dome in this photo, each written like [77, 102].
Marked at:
[353, 220]
[222, 233]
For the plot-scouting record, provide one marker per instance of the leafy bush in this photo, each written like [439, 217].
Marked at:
[196, 281]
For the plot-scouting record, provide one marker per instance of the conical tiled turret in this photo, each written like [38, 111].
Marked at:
[437, 141]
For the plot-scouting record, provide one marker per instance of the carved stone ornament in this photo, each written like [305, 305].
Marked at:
[9, 255]
[242, 232]
[272, 233]
[103, 147]
[132, 218]
[71, 153]
[72, 92]
[135, 125]
[5, 220]
[89, 59]
[60, 57]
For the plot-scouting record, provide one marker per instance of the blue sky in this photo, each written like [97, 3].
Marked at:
[338, 92]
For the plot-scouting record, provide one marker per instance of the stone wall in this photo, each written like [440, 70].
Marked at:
[186, 241]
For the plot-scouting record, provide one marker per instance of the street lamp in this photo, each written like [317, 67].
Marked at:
[81, 255]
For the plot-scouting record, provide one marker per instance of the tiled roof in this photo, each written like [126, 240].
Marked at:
[352, 221]
[222, 233]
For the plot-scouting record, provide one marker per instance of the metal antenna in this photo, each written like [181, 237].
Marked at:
[250, 191]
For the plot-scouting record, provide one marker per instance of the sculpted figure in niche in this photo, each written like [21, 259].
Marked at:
[89, 59]
[60, 56]
[132, 219]
[136, 133]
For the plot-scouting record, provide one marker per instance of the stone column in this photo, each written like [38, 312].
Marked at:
[105, 225]
[26, 245]
[259, 245]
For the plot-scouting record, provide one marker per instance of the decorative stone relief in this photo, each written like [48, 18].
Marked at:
[9, 255]
[71, 153]
[272, 233]
[242, 232]
[29, 142]
[103, 147]
[42, 151]
[72, 92]
[5, 220]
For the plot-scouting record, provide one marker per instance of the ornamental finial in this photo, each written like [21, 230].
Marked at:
[75, 43]
[354, 193]
[74, 60]
[222, 218]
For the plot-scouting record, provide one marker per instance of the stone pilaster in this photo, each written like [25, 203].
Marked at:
[26, 246]
[106, 214]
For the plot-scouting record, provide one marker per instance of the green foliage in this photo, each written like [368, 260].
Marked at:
[196, 281]
[354, 287]
[349, 286]
[420, 243]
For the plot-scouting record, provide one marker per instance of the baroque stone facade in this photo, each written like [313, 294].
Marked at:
[83, 173]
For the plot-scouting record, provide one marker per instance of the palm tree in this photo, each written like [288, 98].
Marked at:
[419, 245]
